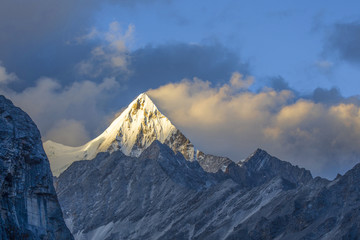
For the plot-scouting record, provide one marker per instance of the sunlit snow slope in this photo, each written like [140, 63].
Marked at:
[132, 132]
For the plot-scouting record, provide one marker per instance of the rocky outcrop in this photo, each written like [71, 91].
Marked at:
[28, 203]
[212, 163]
[318, 210]
[261, 167]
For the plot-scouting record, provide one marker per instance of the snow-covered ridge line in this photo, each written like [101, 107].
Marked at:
[132, 132]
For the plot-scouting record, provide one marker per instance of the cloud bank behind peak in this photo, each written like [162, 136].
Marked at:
[319, 136]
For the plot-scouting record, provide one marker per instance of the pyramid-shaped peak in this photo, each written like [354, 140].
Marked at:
[139, 118]
[139, 125]
[143, 96]
[142, 102]
[257, 154]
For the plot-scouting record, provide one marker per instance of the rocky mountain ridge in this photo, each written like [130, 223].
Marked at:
[161, 196]
[143, 179]
[260, 167]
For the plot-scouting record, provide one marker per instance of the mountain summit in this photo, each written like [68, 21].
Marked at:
[132, 132]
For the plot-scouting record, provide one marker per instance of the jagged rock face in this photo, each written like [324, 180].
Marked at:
[260, 167]
[132, 132]
[29, 205]
[318, 210]
[181, 171]
[179, 143]
[211, 163]
[161, 196]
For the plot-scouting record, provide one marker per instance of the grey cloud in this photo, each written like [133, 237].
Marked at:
[155, 66]
[278, 83]
[327, 96]
[112, 56]
[331, 97]
[324, 96]
[343, 40]
[36, 33]
[25, 21]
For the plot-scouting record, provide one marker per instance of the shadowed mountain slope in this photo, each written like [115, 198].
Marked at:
[29, 205]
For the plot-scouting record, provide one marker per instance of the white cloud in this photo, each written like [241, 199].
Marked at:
[237, 81]
[110, 56]
[6, 77]
[54, 107]
[227, 120]
[319, 137]
[69, 131]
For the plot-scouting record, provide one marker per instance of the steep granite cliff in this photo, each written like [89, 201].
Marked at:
[28, 203]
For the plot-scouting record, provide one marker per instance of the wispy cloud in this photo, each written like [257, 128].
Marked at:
[112, 55]
[36, 35]
[5, 76]
[324, 66]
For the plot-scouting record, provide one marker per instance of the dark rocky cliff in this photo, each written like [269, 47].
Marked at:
[29, 205]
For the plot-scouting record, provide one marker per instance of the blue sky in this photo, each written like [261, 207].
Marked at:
[275, 37]
[72, 65]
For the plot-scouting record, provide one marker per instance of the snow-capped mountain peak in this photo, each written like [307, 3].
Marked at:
[136, 128]
[132, 132]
